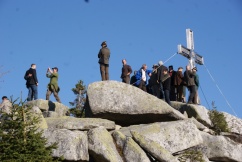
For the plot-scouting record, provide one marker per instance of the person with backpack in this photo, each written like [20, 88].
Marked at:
[142, 77]
[31, 83]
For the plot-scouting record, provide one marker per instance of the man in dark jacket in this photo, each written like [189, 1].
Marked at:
[173, 90]
[160, 77]
[166, 85]
[155, 88]
[190, 83]
[178, 82]
[104, 55]
[126, 71]
[31, 82]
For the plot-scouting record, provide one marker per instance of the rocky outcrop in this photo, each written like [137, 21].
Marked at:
[148, 130]
[199, 112]
[72, 145]
[127, 105]
[49, 108]
[101, 146]
[220, 148]
[82, 124]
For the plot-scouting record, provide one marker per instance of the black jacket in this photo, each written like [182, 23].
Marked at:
[166, 82]
[31, 80]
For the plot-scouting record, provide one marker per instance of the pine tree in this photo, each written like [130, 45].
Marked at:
[78, 104]
[20, 138]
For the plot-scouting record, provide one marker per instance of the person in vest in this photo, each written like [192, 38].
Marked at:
[142, 77]
[126, 71]
[31, 83]
[104, 55]
[53, 86]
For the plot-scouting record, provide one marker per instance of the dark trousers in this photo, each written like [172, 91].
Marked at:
[126, 80]
[161, 91]
[167, 96]
[49, 92]
[33, 92]
[156, 90]
[173, 93]
[142, 85]
[192, 90]
[180, 93]
[104, 71]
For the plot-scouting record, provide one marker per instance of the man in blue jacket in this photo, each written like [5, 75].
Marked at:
[142, 77]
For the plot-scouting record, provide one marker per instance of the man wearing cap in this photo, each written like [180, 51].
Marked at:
[53, 87]
[104, 55]
[160, 77]
[153, 82]
[31, 82]
[178, 82]
[126, 71]
[5, 106]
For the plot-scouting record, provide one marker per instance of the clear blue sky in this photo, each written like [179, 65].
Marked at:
[68, 34]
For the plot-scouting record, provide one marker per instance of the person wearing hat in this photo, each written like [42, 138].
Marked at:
[153, 85]
[178, 82]
[5, 106]
[104, 55]
[53, 86]
[126, 71]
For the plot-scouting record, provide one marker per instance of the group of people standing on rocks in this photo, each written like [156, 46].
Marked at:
[162, 82]
[32, 83]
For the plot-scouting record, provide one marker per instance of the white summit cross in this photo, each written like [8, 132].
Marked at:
[189, 52]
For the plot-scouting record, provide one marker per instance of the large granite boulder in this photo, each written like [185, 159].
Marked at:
[173, 136]
[49, 108]
[199, 112]
[220, 148]
[126, 104]
[83, 124]
[72, 145]
[101, 146]
[37, 113]
[234, 123]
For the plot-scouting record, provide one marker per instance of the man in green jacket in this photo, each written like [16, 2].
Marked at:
[53, 87]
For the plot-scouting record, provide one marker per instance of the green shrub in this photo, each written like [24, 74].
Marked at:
[218, 120]
[20, 138]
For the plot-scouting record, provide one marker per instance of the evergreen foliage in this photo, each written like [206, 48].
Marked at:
[218, 120]
[192, 156]
[20, 138]
[78, 105]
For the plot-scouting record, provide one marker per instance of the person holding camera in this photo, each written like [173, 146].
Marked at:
[53, 87]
